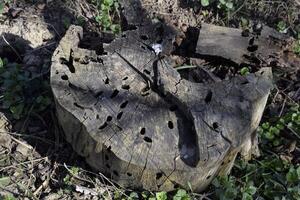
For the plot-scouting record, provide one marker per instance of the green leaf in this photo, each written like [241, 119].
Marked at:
[181, 195]
[269, 135]
[281, 26]
[274, 130]
[251, 190]
[244, 22]
[265, 125]
[229, 5]
[161, 195]
[134, 195]
[292, 175]
[205, 3]
[247, 196]
[244, 71]
[280, 126]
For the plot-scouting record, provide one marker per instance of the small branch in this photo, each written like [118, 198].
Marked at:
[29, 161]
[22, 143]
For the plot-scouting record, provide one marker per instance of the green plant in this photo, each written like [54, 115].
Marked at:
[296, 47]
[133, 196]
[72, 172]
[226, 187]
[272, 132]
[181, 195]
[12, 83]
[226, 5]
[19, 92]
[244, 71]
[161, 196]
[273, 175]
[222, 4]
[282, 27]
[108, 15]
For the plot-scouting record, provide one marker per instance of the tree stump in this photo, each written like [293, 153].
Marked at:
[135, 119]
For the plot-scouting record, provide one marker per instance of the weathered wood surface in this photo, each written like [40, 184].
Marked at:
[132, 116]
[239, 47]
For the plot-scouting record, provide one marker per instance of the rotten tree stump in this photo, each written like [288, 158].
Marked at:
[133, 117]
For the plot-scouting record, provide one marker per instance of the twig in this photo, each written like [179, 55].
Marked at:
[12, 48]
[185, 67]
[103, 177]
[26, 162]
[41, 47]
[22, 143]
[282, 108]
[45, 183]
[30, 136]
[294, 132]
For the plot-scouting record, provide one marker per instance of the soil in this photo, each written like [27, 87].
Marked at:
[33, 151]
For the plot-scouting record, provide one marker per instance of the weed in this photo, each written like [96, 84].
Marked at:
[282, 27]
[222, 4]
[181, 195]
[72, 172]
[20, 91]
[271, 133]
[108, 15]
[244, 71]
[296, 47]
[271, 176]
[226, 5]
[161, 196]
